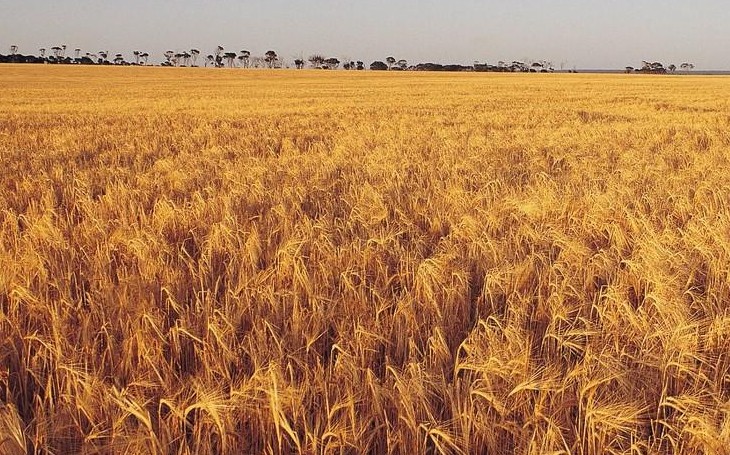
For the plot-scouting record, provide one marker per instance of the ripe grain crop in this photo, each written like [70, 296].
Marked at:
[204, 261]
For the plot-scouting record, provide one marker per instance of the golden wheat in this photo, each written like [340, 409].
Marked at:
[221, 261]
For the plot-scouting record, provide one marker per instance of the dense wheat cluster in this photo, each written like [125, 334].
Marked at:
[212, 261]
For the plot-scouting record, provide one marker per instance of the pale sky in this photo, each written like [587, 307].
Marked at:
[576, 33]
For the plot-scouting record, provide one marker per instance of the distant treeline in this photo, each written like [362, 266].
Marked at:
[659, 68]
[269, 62]
[501, 67]
[219, 58]
[57, 55]
[19, 58]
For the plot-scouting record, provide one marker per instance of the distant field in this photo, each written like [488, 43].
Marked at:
[204, 261]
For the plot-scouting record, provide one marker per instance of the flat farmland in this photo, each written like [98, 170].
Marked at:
[201, 261]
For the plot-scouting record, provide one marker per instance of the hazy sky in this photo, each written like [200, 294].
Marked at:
[580, 33]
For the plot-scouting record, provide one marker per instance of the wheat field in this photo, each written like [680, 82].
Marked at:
[204, 261]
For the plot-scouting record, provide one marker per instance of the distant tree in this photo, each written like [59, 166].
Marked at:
[378, 66]
[391, 62]
[271, 58]
[245, 58]
[482, 67]
[136, 56]
[118, 59]
[360, 65]
[219, 57]
[541, 66]
[56, 50]
[77, 53]
[42, 52]
[687, 66]
[629, 69]
[63, 50]
[299, 63]
[103, 56]
[316, 60]
[651, 68]
[13, 49]
[332, 63]
[210, 58]
[169, 56]
[194, 53]
[230, 58]
[402, 64]
[518, 66]
[145, 56]
[672, 68]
